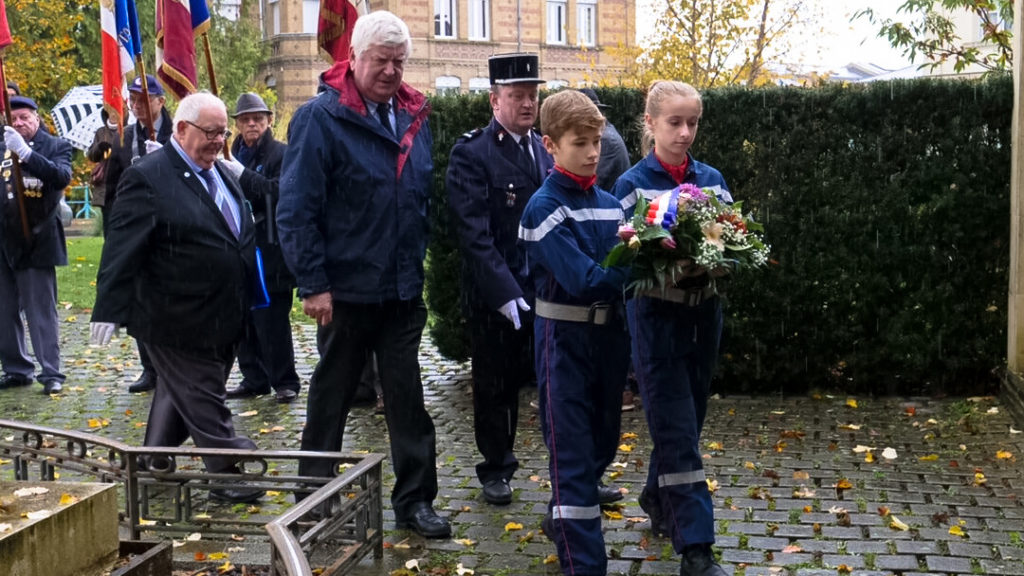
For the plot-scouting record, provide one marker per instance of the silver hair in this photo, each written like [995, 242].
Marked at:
[191, 105]
[380, 27]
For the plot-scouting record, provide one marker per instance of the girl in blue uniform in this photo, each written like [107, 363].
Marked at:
[581, 346]
[675, 336]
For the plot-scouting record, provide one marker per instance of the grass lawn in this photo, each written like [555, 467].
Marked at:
[76, 282]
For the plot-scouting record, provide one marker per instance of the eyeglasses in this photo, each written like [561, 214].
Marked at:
[211, 134]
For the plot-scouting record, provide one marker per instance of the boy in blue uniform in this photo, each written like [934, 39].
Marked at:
[675, 334]
[581, 347]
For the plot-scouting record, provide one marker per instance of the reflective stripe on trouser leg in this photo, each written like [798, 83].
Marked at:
[673, 350]
[573, 379]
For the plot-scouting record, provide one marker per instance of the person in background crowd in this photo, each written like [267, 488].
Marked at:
[28, 276]
[177, 270]
[266, 357]
[353, 222]
[581, 350]
[136, 145]
[492, 173]
[675, 333]
[98, 153]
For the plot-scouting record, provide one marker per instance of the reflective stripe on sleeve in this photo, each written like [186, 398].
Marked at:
[561, 214]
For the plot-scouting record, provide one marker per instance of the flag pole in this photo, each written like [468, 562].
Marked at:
[19, 184]
[213, 82]
[150, 121]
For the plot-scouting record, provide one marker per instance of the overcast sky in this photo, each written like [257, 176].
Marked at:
[841, 43]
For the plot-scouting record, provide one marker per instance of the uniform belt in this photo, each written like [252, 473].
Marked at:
[596, 313]
[687, 297]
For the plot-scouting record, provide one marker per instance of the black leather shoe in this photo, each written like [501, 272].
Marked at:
[236, 495]
[425, 522]
[699, 561]
[652, 507]
[14, 380]
[286, 396]
[52, 387]
[608, 494]
[547, 525]
[144, 383]
[498, 492]
[243, 392]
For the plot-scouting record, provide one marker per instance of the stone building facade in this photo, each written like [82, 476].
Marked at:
[452, 39]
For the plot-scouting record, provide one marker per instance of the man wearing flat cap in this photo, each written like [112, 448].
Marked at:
[28, 278]
[266, 357]
[492, 173]
[137, 143]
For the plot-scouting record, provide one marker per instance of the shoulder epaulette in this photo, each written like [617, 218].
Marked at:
[473, 133]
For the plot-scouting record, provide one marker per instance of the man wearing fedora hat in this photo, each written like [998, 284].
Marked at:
[492, 173]
[28, 279]
[266, 357]
[136, 144]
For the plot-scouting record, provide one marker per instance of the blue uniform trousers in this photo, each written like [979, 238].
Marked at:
[581, 370]
[675, 348]
[34, 291]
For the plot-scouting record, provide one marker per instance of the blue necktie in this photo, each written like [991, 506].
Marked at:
[385, 118]
[219, 200]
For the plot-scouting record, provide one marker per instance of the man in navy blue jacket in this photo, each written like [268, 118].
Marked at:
[353, 223]
[28, 277]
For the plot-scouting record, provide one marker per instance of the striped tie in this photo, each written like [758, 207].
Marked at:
[219, 200]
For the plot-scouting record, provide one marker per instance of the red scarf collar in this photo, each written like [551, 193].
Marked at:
[678, 173]
[584, 182]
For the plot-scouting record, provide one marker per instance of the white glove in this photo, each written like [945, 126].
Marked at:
[153, 146]
[511, 310]
[15, 143]
[100, 333]
[233, 166]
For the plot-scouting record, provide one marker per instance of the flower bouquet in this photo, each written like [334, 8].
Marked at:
[682, 228]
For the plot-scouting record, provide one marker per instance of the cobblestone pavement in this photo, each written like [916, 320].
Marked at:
[804, 486]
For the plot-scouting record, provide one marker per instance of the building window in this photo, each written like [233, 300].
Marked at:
[556, 22]
[444, 18]
[310, 16]
[274, 25]
[479, 19]
[994, 18]
[477, 85]
[586, 11]
[447, 85]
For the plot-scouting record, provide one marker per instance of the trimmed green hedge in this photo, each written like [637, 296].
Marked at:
[886, 205]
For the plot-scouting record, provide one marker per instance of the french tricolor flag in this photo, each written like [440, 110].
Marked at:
[120, 41]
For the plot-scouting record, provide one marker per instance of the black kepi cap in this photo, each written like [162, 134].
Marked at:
[514, 68]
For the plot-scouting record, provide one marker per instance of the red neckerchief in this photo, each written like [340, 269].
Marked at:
[584, 182]
[678, 173]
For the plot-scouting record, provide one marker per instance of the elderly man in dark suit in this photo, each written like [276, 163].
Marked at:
[266, 357]
[28, 277]
[177, 268]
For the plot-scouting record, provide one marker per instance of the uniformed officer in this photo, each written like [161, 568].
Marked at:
[492, 173]
[28, 278]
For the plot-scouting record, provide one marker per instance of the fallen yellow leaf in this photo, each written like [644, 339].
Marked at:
[897, 524]
[928, 457]
[625, 447]
[465, 542]
[612, 515]
[629, 436]
[851, 402]
[714, 445]
[513, 526]
[218, 556]
[957, 531]
[550, 559]
[1004, 455]
[801, 475]
[67, 499]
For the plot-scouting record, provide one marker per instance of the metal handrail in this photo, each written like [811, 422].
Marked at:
[358, 490]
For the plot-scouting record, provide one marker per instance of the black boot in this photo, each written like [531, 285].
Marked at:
[651, 506]
[698, 560]
[144, 383]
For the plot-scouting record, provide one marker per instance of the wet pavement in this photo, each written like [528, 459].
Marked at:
[809, 485]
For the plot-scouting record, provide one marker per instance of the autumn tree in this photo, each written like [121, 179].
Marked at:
[718, 42]
[926, 28]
